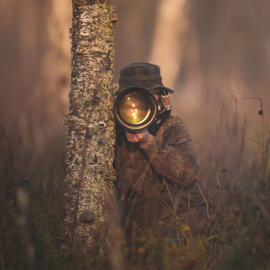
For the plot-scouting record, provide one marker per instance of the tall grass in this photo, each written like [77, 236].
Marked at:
[236, 236]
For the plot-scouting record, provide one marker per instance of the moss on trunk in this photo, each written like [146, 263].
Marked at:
[91, 129]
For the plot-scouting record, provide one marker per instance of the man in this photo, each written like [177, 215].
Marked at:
[157, 184]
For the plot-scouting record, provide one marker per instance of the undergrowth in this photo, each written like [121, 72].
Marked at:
[236, 236]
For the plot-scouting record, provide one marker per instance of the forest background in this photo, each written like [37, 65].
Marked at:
[213, 53]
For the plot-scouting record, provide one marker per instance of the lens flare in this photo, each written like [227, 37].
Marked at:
[134, 108]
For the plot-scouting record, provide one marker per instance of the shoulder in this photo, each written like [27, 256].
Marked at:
[173, 127]
[175, 121]
[176, 128]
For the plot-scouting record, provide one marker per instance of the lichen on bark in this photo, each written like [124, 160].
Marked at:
[91, 129]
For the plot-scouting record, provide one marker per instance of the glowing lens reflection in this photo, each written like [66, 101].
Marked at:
[134, 108]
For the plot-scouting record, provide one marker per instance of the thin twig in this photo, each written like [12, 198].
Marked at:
[56, 187]
[240, 217]
[204, 199]
[168, 191]
[251, 225]
[162, 200]
[255, 141]
[178, 238]
[184, 235]
[257, 217]
[136, 226]
[142, 175]
[45, 188]
[188, 201]
[218, 186]
[147, 225]
[263, 140]
[194, 219]
[252, 203]
[211, 198]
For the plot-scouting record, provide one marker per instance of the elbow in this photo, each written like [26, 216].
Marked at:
[192, 165]
[188, 172]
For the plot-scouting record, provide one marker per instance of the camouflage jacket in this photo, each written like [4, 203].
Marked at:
[170, 157]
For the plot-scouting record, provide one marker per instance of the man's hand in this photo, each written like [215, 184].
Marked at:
[142, 137]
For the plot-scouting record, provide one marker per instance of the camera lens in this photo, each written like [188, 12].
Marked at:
[134, 108]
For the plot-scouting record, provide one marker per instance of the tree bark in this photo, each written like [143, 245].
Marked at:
[91, 128]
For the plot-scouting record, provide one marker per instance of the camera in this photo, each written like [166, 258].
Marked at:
[135, 108]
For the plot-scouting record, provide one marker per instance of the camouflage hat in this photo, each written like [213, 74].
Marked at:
[143, 75]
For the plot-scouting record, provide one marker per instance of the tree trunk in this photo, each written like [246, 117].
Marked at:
[169, 38]
[91, 129]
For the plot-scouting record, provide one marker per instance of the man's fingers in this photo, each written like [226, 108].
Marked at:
[130, 137]
[138, 136]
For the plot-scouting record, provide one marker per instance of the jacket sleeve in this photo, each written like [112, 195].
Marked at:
[175, 159]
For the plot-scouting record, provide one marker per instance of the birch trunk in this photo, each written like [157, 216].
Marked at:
[91, 129]
[169, 37]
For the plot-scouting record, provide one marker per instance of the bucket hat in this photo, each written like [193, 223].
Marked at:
[141, 74]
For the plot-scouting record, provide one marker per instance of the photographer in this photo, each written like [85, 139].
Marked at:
[156, 168]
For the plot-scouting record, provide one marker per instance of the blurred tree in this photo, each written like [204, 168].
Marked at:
[169, 39]
[91, 129]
